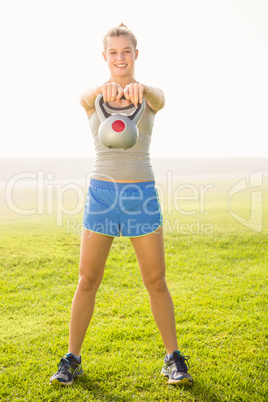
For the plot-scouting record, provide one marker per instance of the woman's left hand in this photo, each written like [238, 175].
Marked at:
[134, 93]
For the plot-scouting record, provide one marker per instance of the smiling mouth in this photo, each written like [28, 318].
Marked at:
[121, 65]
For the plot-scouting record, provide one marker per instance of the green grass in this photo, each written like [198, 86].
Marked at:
[218, 282]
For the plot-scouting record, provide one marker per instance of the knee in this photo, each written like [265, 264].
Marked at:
[155, 284]
[89, 282]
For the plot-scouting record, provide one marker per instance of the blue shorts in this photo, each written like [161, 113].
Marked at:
[130, 209]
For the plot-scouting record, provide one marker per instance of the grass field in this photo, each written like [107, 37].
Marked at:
[217, 275]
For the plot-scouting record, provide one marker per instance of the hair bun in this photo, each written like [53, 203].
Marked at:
[122, 25]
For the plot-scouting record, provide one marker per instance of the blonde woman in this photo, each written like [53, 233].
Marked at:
[122, 199]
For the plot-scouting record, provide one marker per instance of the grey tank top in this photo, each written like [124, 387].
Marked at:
[120, 164]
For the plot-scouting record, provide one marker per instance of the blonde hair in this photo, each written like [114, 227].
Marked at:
[118, 31]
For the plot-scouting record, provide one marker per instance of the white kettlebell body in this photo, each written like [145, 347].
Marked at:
[118, 130]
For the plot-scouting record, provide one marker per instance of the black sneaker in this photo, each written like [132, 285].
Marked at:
[176, 370]
[69, 368]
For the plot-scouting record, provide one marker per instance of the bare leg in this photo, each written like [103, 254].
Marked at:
[93, 255]
[150, 253]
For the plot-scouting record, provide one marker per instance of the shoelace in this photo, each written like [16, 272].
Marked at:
[180, 362]
[63, 365]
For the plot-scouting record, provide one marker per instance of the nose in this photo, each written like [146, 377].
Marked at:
[121, 56]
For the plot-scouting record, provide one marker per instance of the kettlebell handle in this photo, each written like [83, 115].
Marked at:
[106, 114]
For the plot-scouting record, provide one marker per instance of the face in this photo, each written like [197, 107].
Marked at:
[120, 55]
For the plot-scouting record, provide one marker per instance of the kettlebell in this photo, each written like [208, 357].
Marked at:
[118, 130]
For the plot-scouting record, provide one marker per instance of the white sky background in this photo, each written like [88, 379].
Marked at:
[209, 56]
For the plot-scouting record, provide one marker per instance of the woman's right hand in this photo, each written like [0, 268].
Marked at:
[112, 92]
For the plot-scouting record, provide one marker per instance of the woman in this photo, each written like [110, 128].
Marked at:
[122, 199]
